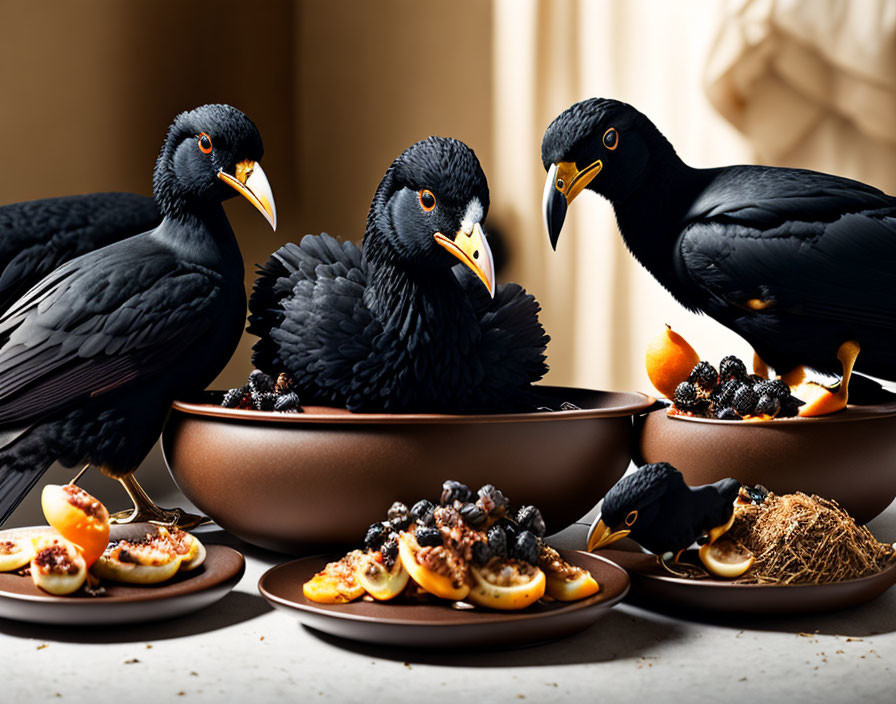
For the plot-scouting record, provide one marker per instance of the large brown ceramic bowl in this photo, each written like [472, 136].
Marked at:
[848, 456]
[285, 481]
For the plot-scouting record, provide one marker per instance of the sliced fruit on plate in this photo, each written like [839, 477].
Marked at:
[565, 582]
[336, 583]
[57, 566]
[139, 554]
[15, 552]
[188, 546]
[725, 558]
[79, 517]
[379, 580]
[508, 584]
[435, 568]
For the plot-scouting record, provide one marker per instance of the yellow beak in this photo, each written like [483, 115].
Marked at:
[563, 184]
[473, 250]
[251, 183]
[602, 535]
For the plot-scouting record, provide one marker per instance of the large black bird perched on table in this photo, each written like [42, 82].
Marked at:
[797, 262]
[660, 512]
[395, 326]
[39, 235]
[93, 354]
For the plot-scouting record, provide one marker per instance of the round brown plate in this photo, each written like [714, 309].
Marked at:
[124, 603]
[655, 585]
[443, 626]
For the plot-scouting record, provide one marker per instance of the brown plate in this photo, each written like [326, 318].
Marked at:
[665, 590]
[442, 626]
[125, 603]
[286, 481]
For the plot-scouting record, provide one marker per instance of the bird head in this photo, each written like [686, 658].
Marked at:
[597, 144]
[430, 207]
[632, 505]
[210, 154]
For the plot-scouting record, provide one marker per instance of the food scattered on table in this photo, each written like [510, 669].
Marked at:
[264, 393]
[80, 546]
[746, 533]
[468, 547]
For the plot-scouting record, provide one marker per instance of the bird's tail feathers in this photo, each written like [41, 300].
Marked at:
[15, 485]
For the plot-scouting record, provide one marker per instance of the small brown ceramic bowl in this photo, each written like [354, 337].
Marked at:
[848, 456]
[287, 481]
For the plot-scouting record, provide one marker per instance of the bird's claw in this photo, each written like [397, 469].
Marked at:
[176, 517]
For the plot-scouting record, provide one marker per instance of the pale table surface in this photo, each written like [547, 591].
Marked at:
[241, 650]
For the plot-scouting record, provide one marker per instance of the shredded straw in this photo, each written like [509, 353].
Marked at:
[801, 539]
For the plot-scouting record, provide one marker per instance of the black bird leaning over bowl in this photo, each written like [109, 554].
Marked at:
[797, 262]
[93, 354]
[396, 326]
[39, 235]
[655, 508]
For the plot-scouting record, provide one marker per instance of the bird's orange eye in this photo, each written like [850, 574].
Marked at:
[611, 139]
[427, 200]
[631, 518]
[205, 143]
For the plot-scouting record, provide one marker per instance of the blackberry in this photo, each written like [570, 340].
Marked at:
[768, 405]
[727, 413]
[389, 551]
[754, 379]
[261, 382]
[686, 397]
[422, 511]
[481, 552]
[497, 541]
[287, 402]
[454, 491]
[530, 518]
[375, 536]
[428, 537]
[285, 383]
[776, 388]
[732, 368]
[526, 547]
[264, 400]
[511, 530]
[232, 398]
[397, 509]
[492, 501]
[473, 516]
[745, 400]
[704, 376]
[723, 395]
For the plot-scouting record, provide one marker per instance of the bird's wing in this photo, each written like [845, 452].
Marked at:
[809, 244]
[309, 311]
[40, 235]
[105, 319]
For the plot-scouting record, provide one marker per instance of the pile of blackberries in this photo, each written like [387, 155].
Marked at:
[732, 394]
[262, 393]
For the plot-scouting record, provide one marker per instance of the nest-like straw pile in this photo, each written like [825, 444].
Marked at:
[801, 539]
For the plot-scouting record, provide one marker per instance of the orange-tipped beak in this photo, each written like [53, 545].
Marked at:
[251, 183]
[602, 535]
[473, 250]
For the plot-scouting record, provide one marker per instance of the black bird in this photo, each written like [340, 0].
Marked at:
[797, 262]
[39, 235]
[662, 513]
[93, 354]
[391, 326]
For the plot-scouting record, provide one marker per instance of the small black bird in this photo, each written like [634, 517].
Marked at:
[39, 235]
[662, 513]
[392, 326]
[93, 354]
[797, 262]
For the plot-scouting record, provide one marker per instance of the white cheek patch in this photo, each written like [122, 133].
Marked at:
[471, 216]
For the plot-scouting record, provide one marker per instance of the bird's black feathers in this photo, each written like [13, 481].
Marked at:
[393, 328]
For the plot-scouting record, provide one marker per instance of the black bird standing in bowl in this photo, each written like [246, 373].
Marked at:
[395, 326]
[660, 512]
[93, 354]
[797, 262]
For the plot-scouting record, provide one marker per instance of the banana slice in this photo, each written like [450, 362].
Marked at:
[57, 566]
[335, 583]
[79, 517]
[436, 579]
[139, 554]
[15, 553]
[378, 581]
[565, 582]
[508, 585]
[186, 545]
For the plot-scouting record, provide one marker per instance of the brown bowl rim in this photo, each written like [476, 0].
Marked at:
[848, 415]
[639, 402]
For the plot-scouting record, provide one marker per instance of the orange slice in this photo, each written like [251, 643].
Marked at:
[79, 517]
[440, 585]
[508, 585]
[724, 558]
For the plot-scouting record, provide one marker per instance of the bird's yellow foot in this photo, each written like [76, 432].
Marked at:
[147, 511]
